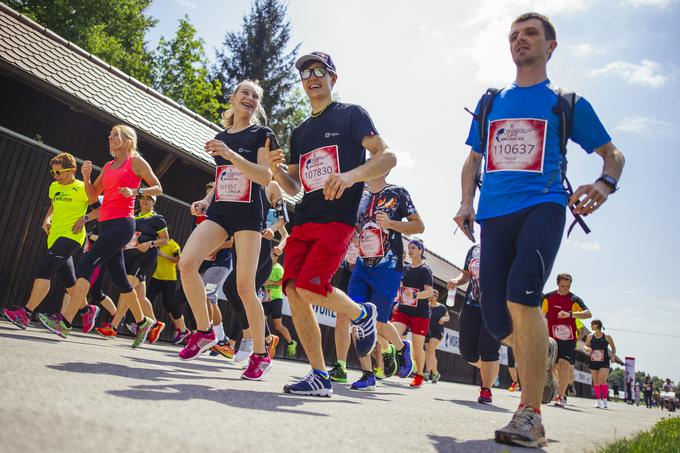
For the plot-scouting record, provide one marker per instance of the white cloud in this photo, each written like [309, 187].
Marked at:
[587, 246]
[644, 126]
[586, 49]
[404, 159]
[662, 4]
[186, 3]
[647, 73]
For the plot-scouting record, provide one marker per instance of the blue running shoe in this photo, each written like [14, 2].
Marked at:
[365, 331]
[405, 360]
[311, 385]
[367, 382]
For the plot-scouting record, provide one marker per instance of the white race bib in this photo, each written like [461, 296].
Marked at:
[408, 296]
[352, 253]
[597, 355]
[562, 332]
[133, 242]
[232, 185]
[371, 243]
[317, 166]
[516, 144]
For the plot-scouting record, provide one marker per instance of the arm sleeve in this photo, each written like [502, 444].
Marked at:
[587, 130]
[294, 149]
[161, 224]
[578, 304]
[268, 133]
[427, 276]
[406, 206]
[362, 124]
[277, 274]
[474, 141]
[544, 306]
[468, 258]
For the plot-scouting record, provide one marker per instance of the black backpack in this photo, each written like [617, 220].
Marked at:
[564, 109]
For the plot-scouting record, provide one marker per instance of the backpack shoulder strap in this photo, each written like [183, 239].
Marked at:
[485, 104]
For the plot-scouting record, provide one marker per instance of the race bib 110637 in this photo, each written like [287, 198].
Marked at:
[232, 185]
[516, 144]
[317, 166]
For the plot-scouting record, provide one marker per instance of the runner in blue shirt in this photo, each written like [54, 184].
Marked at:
[522, 211]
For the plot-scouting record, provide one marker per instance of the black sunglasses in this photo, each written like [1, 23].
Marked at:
[318, 72]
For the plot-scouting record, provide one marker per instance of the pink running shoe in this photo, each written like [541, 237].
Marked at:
[90, 318]
[198, 343]
[257, 367]
[18, 317]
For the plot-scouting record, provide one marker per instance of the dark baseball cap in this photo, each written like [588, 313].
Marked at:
[315, 56]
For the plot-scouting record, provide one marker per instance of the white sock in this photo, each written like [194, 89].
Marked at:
[219, 332]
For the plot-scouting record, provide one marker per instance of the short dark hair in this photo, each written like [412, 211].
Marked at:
[566, 277]
[598, 323]
[548, 27]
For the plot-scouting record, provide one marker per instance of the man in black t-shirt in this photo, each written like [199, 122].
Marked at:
[328, 161]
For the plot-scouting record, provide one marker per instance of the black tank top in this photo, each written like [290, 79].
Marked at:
[599, 344]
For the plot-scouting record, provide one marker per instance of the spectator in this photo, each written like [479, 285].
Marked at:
[647, 389]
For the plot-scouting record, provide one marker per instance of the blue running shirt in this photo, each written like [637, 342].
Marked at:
[524, 167]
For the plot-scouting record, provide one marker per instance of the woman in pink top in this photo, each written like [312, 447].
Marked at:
[120, 182]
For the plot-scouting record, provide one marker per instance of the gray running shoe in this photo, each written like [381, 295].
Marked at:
[550, 388]
[525, 429]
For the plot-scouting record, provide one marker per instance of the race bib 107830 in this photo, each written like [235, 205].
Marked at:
[317, 166]
[516, 144]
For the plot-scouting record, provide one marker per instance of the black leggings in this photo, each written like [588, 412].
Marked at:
[173, 300]
[114, 234]
[59, 260]
[264, 269]
[140, 264]
[475, 341]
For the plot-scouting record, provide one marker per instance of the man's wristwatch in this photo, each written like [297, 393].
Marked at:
[152, 244]
[609, 181]
[140, 191]
[86, 218]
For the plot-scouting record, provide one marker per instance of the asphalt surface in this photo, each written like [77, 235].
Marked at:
[89, 394]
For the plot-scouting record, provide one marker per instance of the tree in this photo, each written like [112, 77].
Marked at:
[180, 72]
[113, 30]
[258, 52]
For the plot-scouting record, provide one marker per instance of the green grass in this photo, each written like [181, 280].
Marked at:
[664, 437]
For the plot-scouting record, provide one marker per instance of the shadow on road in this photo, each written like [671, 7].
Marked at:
[446, 444]
[29, 337]
[238, 398]
[177, 363]
[476, 405]
[144, 374]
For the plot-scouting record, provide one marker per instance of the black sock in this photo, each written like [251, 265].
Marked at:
[265, 354]
[140, 323]
[206, 331]
[84, 310]
[28, 312]
[66, 323]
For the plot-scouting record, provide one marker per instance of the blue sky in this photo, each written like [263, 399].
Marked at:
[415, 67]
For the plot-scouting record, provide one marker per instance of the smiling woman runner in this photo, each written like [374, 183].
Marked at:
[63, 225]
[234, 209]
[119, 181]
[597, 345]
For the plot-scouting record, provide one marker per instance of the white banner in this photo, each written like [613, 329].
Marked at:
[451, 340]
[583, 377]
[324, 316]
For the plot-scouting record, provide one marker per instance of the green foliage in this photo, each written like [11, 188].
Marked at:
[616, 375]
[180, 72]
[259, 52]
[113, 30]
[664, 437]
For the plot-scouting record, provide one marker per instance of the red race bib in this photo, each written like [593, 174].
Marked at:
[597, 355]
[371, 243]
[133, 242]
[317, 166]
[562, 332]
[408, 296]
[516, 144]
[231, 185]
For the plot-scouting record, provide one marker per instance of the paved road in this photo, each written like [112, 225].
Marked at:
[88, 394]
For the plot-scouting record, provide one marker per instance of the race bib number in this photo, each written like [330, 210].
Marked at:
[352, 253]
[516, 144]
[408, 296]
[562, 332]
[133, 242]
[371, 243]
[232, 185]
[317, 166]
[597, 355]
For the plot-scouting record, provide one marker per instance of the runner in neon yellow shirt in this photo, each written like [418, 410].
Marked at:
[64, 226]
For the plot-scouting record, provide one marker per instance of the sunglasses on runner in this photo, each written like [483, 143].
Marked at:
[59, 172]
[318, 72]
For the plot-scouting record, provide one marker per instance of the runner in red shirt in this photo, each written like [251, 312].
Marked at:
[561, 308]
